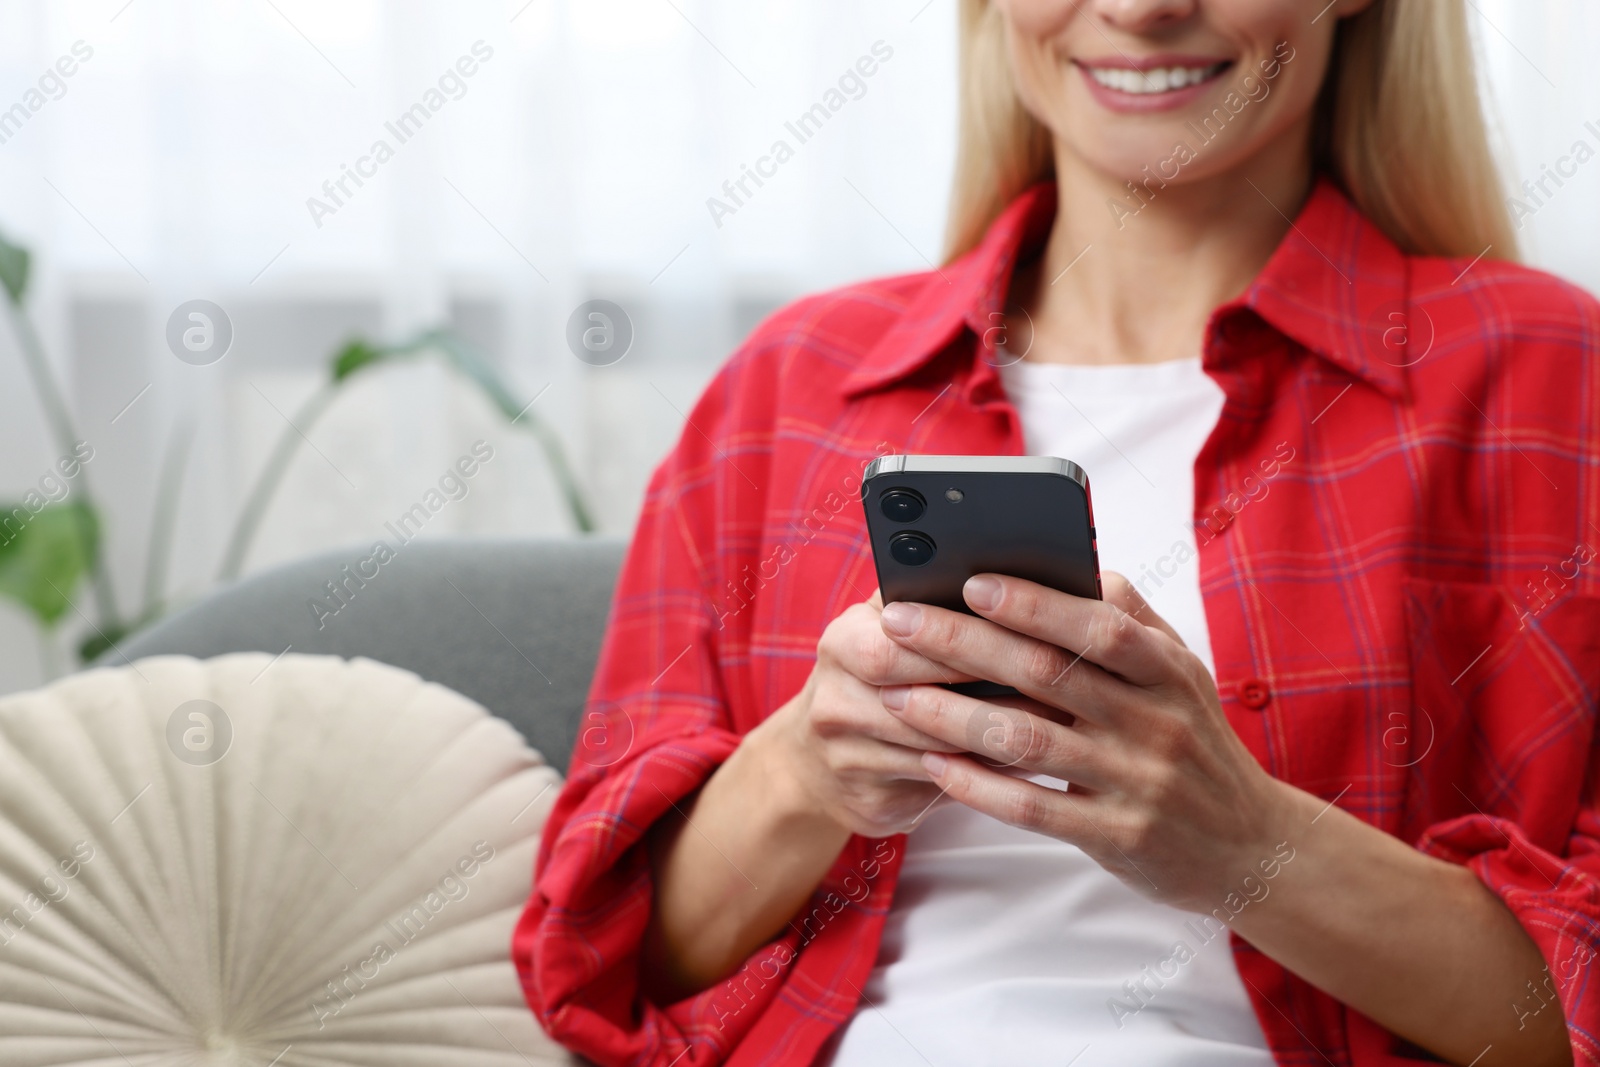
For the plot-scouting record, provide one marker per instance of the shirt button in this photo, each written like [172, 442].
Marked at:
[1254, 694]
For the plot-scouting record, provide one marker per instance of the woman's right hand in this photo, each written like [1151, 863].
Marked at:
[852, 759]
[772, 819]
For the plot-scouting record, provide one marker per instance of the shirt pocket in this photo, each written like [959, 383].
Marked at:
[1502, 713]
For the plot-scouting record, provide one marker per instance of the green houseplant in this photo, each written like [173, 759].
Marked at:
[50, 545]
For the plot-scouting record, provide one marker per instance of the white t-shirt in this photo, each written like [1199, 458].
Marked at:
[1006, 947]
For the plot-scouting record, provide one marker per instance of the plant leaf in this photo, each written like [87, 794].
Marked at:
[13, 269]
[44, 554]
[468, 362]
[354, 356]
[95, 645]
[480, 372]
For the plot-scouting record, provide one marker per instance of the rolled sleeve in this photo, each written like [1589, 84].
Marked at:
[1556, 899]
[1530, 828]
[656, 725]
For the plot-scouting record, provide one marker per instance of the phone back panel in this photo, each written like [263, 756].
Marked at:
[1031, 524]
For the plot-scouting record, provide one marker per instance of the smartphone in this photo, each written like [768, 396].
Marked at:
[935, 521]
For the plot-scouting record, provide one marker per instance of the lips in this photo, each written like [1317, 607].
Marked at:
[1150, 83]
[1156, 80]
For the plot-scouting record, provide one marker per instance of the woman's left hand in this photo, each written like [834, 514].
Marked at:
[1163, 793]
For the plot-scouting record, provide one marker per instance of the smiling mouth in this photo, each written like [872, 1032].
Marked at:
[1154, 81]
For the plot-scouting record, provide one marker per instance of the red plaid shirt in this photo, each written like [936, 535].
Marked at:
[1406, 625]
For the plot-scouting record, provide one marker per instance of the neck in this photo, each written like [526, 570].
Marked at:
[1160, 260]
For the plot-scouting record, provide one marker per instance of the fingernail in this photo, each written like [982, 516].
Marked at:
[894, 696]
[901, 619]
[983, 592]
[934, 763]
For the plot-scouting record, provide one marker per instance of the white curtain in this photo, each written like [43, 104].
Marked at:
[556, 151]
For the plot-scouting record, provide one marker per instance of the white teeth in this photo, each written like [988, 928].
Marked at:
[1159, 80]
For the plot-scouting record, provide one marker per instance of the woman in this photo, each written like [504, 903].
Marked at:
[1245, 261]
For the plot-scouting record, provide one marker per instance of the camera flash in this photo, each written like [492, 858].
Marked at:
[953, 495]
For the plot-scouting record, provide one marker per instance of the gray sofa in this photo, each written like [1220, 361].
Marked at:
[514, 624]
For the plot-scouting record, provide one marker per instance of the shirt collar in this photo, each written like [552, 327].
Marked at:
[1332, 285]
[962, 294]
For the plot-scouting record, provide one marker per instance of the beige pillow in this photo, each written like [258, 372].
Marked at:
[324, 872]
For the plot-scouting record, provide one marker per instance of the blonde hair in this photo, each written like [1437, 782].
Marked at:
[1399, 124]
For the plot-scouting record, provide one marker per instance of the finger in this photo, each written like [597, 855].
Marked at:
[863, 651]
[1078, 820]
[1116, 589]
[1002, 736]
[1014, 801]
[1039, 669]
[1038, 707]
[878, 759]
[1100, 631]
[885, 786]
[876, 600]
[866, 716]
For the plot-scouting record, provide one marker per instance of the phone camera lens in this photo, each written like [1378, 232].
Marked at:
[911, 549]
[902, 505]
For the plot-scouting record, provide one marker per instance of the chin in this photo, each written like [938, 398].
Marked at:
[1129, 157]
[1209, 135]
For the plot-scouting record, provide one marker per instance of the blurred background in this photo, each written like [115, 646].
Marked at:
[539, 155]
